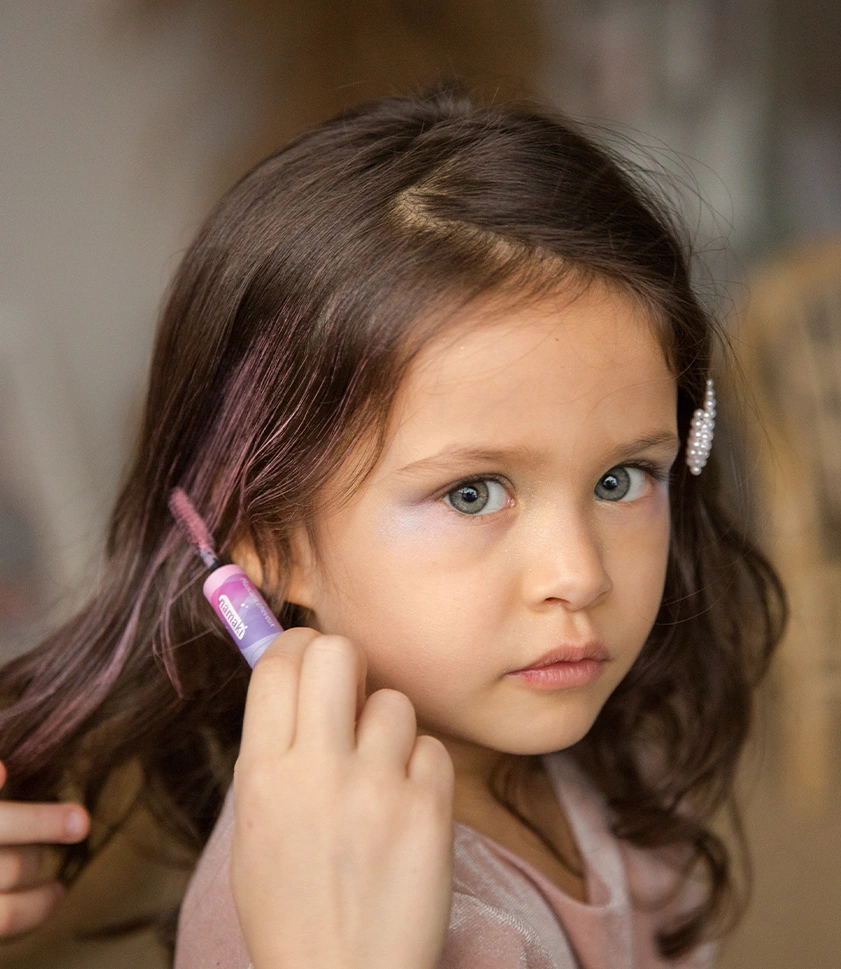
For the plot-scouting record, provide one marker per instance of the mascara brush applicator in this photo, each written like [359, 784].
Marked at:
[233, 596]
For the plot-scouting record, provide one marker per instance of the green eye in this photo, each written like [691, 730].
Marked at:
[475, 497]
[621, 483]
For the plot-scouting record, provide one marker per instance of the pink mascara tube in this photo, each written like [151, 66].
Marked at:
[242, 609]
[234, 597]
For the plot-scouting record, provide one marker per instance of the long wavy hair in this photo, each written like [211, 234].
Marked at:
[286, 333]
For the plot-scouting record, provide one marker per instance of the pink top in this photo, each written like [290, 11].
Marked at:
[505, 913]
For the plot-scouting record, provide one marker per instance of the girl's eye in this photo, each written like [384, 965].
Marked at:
[476, 497]
[622, 483]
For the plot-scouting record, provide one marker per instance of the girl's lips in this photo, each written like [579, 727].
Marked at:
[569, 653]
[565, 666]
[560, 675]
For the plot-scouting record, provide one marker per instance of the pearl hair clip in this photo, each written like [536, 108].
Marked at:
[700, 440]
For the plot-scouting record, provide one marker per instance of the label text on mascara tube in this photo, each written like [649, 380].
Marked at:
[232, 617]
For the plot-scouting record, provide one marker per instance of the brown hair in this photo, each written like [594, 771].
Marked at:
[287, 329]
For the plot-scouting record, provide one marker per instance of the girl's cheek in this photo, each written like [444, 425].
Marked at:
[636, 537]
[403, 523]
[431, 530]
[644, 512]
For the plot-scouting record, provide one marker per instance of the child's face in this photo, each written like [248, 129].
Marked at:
[491, 531]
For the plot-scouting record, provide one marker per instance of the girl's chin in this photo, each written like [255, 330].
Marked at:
[519, 734]
[547, 741]
[530, 744]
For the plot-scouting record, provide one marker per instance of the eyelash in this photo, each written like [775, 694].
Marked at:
[656, 472]
[473, 479]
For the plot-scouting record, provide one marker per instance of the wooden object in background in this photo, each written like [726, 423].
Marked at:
[791, 348]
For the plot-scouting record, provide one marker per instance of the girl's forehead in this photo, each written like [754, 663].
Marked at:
[587, 365]
[598, 330]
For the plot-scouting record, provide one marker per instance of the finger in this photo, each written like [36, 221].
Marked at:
[271, 705]
[327, 696]
[431, 766]
[3, 775]
[385, 735]
[361, 684]
[22, 822]
[23, 867]
[25, 910]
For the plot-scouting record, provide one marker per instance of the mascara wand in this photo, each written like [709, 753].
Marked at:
[233, 596]
[193, 527]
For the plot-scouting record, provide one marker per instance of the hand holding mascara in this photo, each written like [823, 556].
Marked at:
[342, 833]
[396, 849]
[234, 597]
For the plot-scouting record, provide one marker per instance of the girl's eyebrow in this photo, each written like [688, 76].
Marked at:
[471, 453]
[666, 441]
[522, 455]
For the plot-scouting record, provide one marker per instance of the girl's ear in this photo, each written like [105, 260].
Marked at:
[301, 589]
[300, 584]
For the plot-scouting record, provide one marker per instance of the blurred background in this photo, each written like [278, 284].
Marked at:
[123, 120]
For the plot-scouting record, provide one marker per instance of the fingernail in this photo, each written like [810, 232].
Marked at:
[75, 825]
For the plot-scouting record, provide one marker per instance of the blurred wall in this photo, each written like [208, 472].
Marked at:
[97, 195]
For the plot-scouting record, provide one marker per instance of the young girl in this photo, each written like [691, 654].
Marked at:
[429, 376]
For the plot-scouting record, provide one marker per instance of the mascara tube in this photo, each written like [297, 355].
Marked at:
[242, 609]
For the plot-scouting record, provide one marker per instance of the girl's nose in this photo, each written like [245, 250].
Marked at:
[567, 565]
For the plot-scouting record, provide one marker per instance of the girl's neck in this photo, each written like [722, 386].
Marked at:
[510, 799]
[478, 771]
